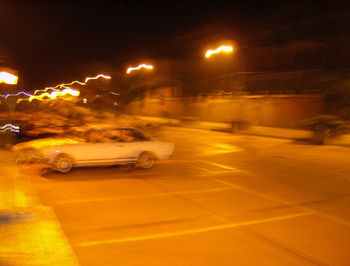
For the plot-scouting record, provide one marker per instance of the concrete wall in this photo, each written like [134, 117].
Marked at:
[274, 110]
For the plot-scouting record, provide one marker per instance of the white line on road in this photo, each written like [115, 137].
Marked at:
[193, 231]
[233, 169]
[287, 203]
[161, 194]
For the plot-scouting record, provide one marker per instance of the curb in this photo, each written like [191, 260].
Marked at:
[30, 232]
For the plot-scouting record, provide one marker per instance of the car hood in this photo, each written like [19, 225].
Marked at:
[39, 144]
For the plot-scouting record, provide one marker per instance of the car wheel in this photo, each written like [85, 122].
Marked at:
[63, 163]
[145, 160]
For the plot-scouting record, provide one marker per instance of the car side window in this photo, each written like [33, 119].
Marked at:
[111, 136]
[92, 136]
[131, 135]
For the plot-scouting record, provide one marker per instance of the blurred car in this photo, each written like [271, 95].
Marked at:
[97, 147]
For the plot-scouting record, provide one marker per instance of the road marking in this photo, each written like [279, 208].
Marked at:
[193, 231]
[287, 203]
[162, 194]
[223, 166]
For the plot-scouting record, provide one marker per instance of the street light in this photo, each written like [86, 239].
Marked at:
[221, 49]
[8, 78]
[130, 69]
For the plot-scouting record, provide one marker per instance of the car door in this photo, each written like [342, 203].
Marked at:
[115, 148]
[93, 152]
[133, 143]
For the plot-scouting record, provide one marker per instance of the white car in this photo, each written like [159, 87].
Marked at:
[100, 147]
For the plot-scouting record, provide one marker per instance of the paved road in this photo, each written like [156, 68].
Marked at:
[222, 200]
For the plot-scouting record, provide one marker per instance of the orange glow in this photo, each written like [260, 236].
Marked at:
[139, 67]
[223, 48]
[8, 78]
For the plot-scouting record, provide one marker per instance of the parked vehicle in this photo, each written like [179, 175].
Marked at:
[98, 147]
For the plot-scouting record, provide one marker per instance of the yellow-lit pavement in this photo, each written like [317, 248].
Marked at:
[222, 200]
[29, 231]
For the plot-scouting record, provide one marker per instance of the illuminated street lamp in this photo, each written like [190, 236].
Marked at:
[130, 69]
[8, 78]
[221, 49]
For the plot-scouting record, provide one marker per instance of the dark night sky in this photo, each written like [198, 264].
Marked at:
[47, 41]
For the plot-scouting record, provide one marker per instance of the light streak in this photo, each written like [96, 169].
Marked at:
[56, 92]
[8, 78]
[69, 84]
[45, 90]
[98, 76]
[138, 67]
[53, 95]
[9, 127]
[82, 83]
[111, 92]
[16, 94]
[223, 48]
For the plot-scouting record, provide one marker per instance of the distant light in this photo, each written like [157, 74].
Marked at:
[138, 67]
[85, 100]
[223, 48]
[8, 78]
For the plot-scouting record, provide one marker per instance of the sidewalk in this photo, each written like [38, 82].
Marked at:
[29, 232]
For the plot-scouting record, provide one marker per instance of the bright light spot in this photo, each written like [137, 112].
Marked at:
[85, 100]
[8, 78]
[139, 67]
[224, 48]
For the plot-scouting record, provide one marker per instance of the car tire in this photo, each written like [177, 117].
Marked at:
[146, 160]
[63, 163]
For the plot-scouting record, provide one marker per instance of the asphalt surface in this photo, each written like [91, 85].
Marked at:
[222, 199]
